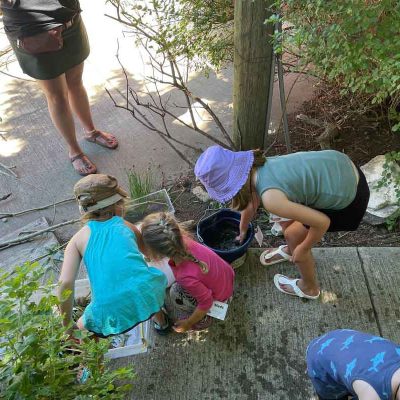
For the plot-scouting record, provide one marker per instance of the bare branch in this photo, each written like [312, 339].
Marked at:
[16, 214]
[26, 238]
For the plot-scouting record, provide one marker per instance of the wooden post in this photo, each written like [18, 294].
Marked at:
[252, 72]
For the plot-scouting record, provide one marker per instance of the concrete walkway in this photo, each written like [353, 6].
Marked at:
[258, 353]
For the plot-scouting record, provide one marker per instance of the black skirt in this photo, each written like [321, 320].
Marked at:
[50, 65]
[349, 218]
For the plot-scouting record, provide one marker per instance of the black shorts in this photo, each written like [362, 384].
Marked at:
[349, 218]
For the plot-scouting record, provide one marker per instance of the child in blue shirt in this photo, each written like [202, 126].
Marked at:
[125, 291]
[346, 362]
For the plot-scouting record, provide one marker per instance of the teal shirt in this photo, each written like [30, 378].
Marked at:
[318, 179]
[125, 290]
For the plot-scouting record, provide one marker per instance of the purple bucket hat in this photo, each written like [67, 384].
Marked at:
[223, 172]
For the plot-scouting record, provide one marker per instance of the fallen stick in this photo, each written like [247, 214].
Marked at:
[6, 196]
[23, 239]
[8, 215]
[330, 133]
[9, 170]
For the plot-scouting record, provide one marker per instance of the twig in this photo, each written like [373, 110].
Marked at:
[53, 251]
[179, 195]
[131, 206]
[6, 196]
[325, 138]
[9, 170]
[151, 127]
[343, 235]
[2, 214]
[13, 242]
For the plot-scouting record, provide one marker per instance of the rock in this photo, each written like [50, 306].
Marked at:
[383, 202]
[201, 194]
[372, 219]
[4, 219]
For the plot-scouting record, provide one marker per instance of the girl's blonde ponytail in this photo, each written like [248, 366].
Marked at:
[163, 237]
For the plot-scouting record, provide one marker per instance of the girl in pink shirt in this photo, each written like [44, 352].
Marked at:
[201, 275]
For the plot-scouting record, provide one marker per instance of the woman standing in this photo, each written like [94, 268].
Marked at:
[50, 42]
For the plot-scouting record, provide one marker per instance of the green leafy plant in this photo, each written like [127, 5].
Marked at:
[39, 360]
[140, 184]
[392, 223]
[352, 43]
[390, 172]
[201, 31]
[391, 175]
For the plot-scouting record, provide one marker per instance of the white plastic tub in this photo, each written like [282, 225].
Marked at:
[135, 341]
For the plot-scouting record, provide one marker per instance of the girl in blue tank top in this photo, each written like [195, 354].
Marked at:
[309, 193]
[124, 289]
[345, 363]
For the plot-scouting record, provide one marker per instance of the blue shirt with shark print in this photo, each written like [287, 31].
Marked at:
[338, 358]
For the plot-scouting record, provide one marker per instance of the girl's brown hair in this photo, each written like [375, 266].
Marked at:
[163, 236]
[244, 196]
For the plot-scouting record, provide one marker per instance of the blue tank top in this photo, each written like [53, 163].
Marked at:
[337, 359]
[125, 290]
[318, 179]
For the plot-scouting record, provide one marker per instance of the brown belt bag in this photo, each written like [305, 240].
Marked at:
[44, 42]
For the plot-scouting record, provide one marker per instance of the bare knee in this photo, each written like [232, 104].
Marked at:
[58, 99]
[295, 233]
[75, 84]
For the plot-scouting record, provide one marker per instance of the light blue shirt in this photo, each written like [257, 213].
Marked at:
[125, 290]
[318, 179]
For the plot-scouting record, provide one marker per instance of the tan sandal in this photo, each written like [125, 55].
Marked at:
[87, 167]
[108, 140]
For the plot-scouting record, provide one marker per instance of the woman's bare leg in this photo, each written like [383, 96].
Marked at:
[56, 93]
[80, 103]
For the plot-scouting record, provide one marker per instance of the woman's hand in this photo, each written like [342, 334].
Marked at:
[182, 326]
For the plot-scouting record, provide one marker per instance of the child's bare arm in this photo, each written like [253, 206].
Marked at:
[69, 271]
[276, 202]
[204, 299]
[185, 324]
[247, 215]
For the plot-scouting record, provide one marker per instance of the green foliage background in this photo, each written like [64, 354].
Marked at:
[201, 31]
[352, 43]
[39, 360]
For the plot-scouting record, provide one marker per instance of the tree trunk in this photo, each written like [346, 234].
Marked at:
[252, 72]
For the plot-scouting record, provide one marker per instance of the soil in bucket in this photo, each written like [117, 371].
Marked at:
[223, 236]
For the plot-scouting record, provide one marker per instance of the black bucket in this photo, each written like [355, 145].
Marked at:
[218, 232]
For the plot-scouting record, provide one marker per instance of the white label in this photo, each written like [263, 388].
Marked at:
[218, 310]
[259, 236]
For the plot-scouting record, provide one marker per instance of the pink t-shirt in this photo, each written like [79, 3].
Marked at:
[217, 284]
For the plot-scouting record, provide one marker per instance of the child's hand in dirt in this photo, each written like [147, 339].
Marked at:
[182, 326]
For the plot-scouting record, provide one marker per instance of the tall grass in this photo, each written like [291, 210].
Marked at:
[140, 184]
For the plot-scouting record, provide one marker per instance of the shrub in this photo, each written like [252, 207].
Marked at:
[353, 44]
[39, 360]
